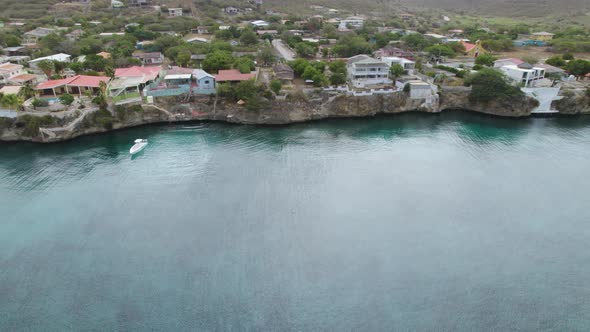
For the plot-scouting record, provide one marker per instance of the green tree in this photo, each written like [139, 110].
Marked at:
[11, 101]
[329, 31]
[276, 86]
[485, 60]
[337, 78]
[416, 41]
[218, 60]
[51, 42]
[338, 67]
[320, 80]
[299, 65]
[305, 50]
[27, 92]
[12, 40]
[183, 58]
[248, 38]
[489, 84]
[556, 61]
[578, 67]
[46, 66]
[351, 45]
[244, 65]
[396, 70]
[568, 56]
[440, 50]
[66, 99]
[95, 62]
[246, 90]
[266, 57]
[309, 73]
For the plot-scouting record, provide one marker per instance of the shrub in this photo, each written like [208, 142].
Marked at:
[66, 99]
[485, 60]
[407, 88]
[103, 118]
[32, 123]
[568, 56]
[556, 61]
[40, 103]
[276, 86]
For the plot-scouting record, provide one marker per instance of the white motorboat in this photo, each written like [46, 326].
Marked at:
[140, 144]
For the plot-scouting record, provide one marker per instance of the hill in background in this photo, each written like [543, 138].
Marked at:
[506, 8]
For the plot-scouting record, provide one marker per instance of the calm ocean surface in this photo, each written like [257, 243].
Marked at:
[451, 222]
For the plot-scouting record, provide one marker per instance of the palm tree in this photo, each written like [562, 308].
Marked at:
[26, 91]
[12, 101]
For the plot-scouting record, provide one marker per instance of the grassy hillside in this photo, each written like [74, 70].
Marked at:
[507, 8]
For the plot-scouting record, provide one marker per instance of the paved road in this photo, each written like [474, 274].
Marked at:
[283, 50]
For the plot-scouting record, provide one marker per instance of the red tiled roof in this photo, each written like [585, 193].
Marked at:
[79, 81]
[88, 81]
[513, 60]
[468, 46]
[54, 83]
[232, 75]
[23, 78]
[150, 72]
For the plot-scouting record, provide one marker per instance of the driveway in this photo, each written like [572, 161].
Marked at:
[284, 51]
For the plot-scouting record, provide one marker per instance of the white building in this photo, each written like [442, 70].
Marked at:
[408, 65]
[174, 12]
[61, 57]
[353, 22]
[524, 74]
[259, 23]
[364, 71]
[9, 70]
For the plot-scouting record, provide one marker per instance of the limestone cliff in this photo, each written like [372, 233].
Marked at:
[458, 98]
[574, 102]
[304, 107]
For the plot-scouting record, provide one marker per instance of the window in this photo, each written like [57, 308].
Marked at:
[207, 82]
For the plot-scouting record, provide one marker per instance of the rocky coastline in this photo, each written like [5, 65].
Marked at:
[312, 106]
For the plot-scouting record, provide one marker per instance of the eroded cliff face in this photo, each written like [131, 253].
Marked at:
[314, 106]
[458, 98]
[574, 102]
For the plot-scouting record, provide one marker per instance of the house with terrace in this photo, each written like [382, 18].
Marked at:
[520, 72]
[178, 81]
[132, 80]
[33, 36]
[76, 85]
[150, 58]
[233, 76]
[364, 71]
[408, 65]
[10, 70]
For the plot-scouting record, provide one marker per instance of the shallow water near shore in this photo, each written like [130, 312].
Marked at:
[414, 222]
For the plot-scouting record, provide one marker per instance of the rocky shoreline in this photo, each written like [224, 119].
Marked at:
[310, 107]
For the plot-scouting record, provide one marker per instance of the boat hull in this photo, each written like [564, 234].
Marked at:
[137, 148]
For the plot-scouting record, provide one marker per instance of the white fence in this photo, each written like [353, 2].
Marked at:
[348, 91]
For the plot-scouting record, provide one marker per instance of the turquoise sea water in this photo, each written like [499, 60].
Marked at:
[452, 222]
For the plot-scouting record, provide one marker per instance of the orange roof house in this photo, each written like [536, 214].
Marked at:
[474, 50]
[77, 85]
[232, 76]
[104, 55]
